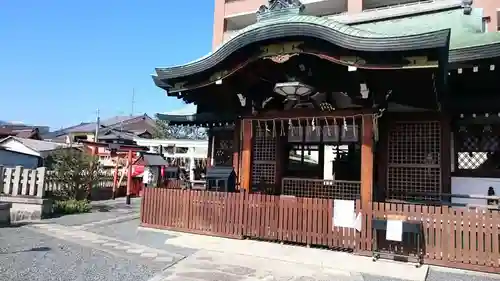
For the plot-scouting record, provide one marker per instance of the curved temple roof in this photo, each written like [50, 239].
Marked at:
[283, 18]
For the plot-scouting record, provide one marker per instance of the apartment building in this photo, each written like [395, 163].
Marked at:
[233, 15]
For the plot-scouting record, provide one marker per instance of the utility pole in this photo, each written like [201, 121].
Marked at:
[133, 102]
[97, 126]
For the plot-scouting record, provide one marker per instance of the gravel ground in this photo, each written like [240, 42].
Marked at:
[26, 255]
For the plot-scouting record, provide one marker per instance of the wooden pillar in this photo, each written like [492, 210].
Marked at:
[236, 147]
[446, 157]
[367, 163]
[115, 178]
[246, 157]
[129, 176]
[210, 147]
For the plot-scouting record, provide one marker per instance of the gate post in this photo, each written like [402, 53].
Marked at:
[367, 162]
[366, 181]
[246, 155]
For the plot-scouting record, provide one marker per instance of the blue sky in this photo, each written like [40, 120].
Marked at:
[61, 60]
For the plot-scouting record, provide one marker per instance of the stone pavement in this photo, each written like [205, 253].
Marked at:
[277, 261]
[107, 244]
[216, 266]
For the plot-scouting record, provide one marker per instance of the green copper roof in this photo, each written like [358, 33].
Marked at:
[466, 30]
[283, 18]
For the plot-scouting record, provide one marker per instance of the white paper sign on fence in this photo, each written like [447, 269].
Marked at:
[343, 213]
[358, 222]
[394, 230]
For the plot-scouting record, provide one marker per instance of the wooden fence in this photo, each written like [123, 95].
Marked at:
[238, 215]
[454, 237]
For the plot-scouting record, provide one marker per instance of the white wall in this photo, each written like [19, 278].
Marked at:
[11, 159]
[19, 147]
[473, 186]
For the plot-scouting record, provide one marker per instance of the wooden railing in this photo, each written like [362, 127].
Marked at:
[456, 237]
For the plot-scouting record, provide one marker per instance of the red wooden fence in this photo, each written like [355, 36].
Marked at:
[455, 237]
[238, 215]
[460, 238]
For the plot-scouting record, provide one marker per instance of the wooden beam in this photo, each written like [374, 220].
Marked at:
[246, 151]
[367, 163]
[129, 177]
[210, 147]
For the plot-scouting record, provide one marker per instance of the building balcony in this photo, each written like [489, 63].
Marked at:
[241, 13]
[376, 4]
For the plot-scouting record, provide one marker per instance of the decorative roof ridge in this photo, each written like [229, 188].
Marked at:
[277, 8]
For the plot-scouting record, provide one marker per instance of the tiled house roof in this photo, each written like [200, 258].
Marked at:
[128, 123]
[32, 133]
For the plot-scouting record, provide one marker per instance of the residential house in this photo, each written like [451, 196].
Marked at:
[139, 125]
[28, 133]
[37, 148]
[10, 159]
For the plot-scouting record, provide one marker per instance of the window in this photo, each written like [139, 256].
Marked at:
[485, 22]
[323, 152]
[79, 138]
[181, 150]
[304, 159]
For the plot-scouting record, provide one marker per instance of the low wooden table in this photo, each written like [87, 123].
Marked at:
[408, 227]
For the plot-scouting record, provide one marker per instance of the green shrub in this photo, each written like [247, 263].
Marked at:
[72, 206]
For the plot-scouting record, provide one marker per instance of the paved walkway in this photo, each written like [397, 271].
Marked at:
[216, 266]
[283, 261]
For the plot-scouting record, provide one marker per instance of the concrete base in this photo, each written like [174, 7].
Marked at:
[28, 208]
[5, 213]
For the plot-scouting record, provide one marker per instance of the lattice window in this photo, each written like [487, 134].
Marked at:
[264, 160]
[477, 149]
[223, 148]
[414, 160]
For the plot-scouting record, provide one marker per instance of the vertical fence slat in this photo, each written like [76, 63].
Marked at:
[495, 239]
